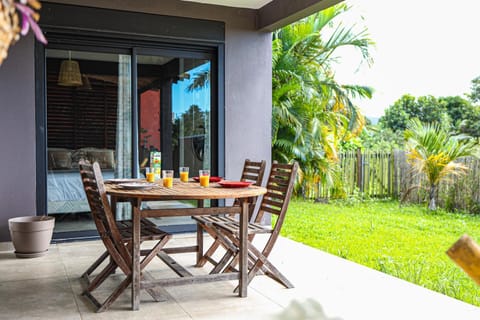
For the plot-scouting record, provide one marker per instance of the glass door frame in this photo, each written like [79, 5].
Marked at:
[141, 51]
[133, 47]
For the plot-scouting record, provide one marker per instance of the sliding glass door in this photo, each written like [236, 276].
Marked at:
[174, 99]
[120, 108]
[174, 102]
[89, 116]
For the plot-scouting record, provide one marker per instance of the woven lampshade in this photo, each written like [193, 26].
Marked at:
[69, 75]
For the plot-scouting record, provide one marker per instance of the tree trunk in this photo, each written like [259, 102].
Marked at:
[431, 195]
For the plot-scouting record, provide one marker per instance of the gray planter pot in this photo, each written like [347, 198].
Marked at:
[31, 235]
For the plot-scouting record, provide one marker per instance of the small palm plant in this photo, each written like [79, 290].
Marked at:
[433, 152]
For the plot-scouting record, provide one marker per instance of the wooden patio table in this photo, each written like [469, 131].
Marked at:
[185, 191]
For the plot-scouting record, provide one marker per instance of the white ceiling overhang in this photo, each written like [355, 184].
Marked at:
[274, 14]
[250, 4]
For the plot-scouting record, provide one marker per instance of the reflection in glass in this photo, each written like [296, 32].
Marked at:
[191, 114]
[91, 121]
[174, 104]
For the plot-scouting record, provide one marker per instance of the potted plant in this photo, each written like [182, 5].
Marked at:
[31, 235]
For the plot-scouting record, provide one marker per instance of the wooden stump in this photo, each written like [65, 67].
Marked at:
[466, 253]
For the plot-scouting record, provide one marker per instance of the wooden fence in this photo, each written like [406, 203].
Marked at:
[387, 174]
[370, 173]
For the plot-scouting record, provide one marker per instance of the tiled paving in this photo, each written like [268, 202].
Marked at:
[49, 288]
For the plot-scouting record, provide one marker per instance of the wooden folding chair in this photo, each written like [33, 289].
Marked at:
[149, 231]
[252, 172]
[117, 244]
[275, 202]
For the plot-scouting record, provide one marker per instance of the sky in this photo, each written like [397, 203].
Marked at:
[182, 99]
[423, 47]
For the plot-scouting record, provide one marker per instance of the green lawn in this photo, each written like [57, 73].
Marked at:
[407, 242]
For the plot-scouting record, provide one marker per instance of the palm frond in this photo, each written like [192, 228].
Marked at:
[312, 112]
[200, 80]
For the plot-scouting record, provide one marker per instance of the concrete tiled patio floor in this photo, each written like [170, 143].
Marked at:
[49, 288]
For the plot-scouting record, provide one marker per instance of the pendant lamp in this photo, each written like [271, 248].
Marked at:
[69, 75]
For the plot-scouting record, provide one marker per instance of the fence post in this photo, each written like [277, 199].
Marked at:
[390, 174]
[359, 170]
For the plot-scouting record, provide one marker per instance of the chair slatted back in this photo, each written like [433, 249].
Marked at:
[102, 214]
[253, 171]
[279, 191]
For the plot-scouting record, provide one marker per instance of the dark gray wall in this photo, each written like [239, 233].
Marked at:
[17, 134]
[248, 94]
[248, 102]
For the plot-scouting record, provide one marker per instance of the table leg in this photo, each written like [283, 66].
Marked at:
[113, 207]
[243, 261]
[136, 258]
[200, 204]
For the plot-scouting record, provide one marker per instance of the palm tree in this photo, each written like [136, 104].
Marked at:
[433, 152]
[312, 112]
[200, 80]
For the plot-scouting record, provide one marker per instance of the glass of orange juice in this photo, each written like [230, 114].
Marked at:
[150, 174]
[167, 178]
[183, 174]
[204, 177]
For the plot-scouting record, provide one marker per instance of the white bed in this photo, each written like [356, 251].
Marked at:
[65, 192]
[64, 187]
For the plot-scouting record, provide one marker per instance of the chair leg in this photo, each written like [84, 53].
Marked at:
[157, 293]
[276, 275]
[224, 261]
[209, 253]
[115, 294]
[269, 269]
[203, 258]
[101, 277]
[94, 266]
[227, 243]
[232, 266]
[155, 250]
[260, 264]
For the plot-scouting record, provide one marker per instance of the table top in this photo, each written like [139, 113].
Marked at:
[184, 191]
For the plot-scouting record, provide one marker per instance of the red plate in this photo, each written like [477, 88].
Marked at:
[235, 184]
[212, 179]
